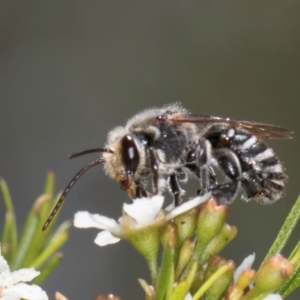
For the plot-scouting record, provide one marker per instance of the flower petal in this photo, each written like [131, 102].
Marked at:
[5, 274]
[144, 210]
[9, 297]
[3, 265]
[25, 291]
[273, 297]
[246, 264]
[188, 297]
[186, 206]
[105, 238]
[24, 275]
[84, 219]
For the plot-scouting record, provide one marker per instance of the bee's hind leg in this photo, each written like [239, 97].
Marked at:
[225, 193]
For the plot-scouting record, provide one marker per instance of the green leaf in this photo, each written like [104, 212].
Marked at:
[50, 184]
[291, 284]
[46, 215]
[27, 235]
[295, 255]
[59, 238]
[285, 231]
[9, 235]
[49, 268]
[37, 236]
[49, 190]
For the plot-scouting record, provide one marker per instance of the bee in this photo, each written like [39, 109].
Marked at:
[170, 144]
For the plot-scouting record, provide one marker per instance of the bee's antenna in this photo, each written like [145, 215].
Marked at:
[90, 151]
[69, 186]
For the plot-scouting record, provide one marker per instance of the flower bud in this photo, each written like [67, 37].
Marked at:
[148, 289]
[274, 273]
[198, 280]
[186, 224]
[243, 282]
[225, 236]
[245, 278]
[271, 276]
[210, 229]
[219, 287]
[169, 236]
[210, 221]
[214, 263]
[217, 283]
[185, 254]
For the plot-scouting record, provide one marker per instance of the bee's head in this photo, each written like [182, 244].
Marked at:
[130, 161]
[130, 155]
[126, 161]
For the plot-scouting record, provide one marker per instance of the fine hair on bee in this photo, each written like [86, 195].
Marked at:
[170, 145]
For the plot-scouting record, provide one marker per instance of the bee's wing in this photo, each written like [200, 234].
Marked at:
[265, 131]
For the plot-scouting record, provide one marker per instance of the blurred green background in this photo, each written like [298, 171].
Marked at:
[72, 70]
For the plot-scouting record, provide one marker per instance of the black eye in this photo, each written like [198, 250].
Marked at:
[130, 155]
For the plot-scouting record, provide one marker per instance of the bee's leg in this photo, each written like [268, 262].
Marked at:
[256, 187]
[154, 170]
[213, 177]
[175, 189]
[140, 191]
[225, 193]
[203, 154]
[227, 160]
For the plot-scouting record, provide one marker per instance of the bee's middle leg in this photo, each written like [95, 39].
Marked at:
[154, 170]
[203, 154]
[175, 189]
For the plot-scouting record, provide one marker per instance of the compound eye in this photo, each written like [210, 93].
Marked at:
[130, 155]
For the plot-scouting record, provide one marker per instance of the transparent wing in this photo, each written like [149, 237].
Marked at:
[265, 131]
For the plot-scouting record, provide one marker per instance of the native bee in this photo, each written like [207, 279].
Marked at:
[170, 144]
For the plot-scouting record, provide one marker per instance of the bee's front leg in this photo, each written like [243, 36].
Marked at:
[140, 191]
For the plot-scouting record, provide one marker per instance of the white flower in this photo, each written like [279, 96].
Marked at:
[12, 286]
[141, 213]
[246, 264]
[273, 297]
[186, 206]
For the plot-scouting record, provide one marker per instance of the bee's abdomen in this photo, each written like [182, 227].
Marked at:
[263, 175]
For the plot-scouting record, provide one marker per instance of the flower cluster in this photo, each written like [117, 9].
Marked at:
[192, 236]
[21, 254]
[13, 286]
